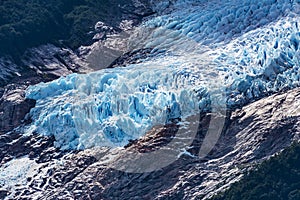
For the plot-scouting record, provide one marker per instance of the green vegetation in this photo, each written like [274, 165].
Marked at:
[277, 178]
[28, 23]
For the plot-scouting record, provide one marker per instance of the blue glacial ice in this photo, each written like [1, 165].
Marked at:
[236, 51]
[109, 107]
[210, 23]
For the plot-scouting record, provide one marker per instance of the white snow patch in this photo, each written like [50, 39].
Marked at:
[15, 172]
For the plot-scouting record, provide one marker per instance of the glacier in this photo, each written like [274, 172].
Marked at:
[109, 107]
[235, 52]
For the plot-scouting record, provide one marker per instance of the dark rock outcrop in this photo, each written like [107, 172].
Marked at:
[133, 57]
[13, 107]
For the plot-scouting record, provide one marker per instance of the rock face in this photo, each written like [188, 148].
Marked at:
[52, 61]
[13, 104]
[8, 70]
[252, 134]
[13, 107]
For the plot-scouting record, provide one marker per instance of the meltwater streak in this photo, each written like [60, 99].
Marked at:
[202, 65]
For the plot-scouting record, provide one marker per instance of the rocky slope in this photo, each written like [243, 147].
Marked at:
[259, 60]
[57, 59]
[252, 134]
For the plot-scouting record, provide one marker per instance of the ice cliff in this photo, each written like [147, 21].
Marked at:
[233, 51]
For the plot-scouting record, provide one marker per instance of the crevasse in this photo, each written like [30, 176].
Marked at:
[237, 51]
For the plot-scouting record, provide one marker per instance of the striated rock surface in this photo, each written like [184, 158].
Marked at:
[8, 70]
[50, 60]
[13, 107]
[251, 134]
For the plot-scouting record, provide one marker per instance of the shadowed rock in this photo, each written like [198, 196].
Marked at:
[251, 135]
[13, 107]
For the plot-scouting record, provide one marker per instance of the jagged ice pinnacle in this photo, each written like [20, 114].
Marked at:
[236, 51]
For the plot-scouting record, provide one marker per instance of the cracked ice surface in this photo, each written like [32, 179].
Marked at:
[109, 107]
[244, 50]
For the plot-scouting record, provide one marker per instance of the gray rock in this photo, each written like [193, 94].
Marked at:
[251, 135]
[13, 107]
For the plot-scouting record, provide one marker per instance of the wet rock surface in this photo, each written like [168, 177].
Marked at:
[252, 134]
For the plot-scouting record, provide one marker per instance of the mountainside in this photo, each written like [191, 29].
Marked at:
[177, 99]
[277, 178]
[43, 37]
[36, 22]
[252, 134]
